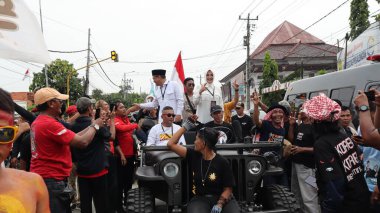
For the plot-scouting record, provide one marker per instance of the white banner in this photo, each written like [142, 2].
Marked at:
[20, 35]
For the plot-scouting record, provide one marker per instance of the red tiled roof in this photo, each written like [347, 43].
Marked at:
[286, 33]
[284, 51]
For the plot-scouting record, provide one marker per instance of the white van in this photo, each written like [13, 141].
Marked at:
[342, 85]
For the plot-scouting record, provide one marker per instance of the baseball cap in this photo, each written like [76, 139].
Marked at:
[46, 94]
[83, 103]
[71, 110]
[215, 108]
[240, 104]
[286, 105]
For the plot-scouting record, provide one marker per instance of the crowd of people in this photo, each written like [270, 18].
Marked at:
[86, 154]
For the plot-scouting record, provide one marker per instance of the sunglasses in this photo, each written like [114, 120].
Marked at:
[190, 85]
[237, 108]
[8, 134]
[170, 115]
[209, 75]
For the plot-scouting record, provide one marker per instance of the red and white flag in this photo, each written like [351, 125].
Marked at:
[26, 74]
[178, 73]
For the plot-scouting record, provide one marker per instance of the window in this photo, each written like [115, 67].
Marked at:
[311, 75]
[296, 100]
[345, 95]
[259, 77]
[313, 94]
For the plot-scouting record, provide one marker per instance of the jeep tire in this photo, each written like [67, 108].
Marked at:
[278, 197]
[140, 200]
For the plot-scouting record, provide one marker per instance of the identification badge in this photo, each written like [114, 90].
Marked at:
[213, 103]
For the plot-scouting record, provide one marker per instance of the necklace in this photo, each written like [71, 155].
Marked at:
[203, 178]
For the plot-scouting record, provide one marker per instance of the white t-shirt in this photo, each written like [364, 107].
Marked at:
[159, 135]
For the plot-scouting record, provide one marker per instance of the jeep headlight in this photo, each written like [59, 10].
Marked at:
[254, 167]
[171, 170]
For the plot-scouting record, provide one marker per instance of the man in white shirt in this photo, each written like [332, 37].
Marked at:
[166, 93]
[160, 134]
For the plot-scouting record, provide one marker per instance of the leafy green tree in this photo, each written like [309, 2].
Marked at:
[358, 17]
[58, 72]
[270, 74]
[111, 97]
[321, 72]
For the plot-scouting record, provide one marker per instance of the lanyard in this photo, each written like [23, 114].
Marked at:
[162, 127]
[213, 91]
[163, 94]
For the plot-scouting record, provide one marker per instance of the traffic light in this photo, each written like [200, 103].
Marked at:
[114, 56]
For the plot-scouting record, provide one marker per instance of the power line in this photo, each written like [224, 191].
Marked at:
[267, 8]
[12, 70]
[102, 68]
[316, 21]
[74, 51]
[185, 59]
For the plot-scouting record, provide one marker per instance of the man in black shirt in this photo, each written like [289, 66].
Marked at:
[227, 134]
[92, 164]
[244, 120]
[303, 166]
[340, 173]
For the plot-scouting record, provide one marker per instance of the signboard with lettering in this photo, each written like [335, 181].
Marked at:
[367, 44]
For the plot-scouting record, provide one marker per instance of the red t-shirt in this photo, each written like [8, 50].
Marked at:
[124, 130]
[50, 145]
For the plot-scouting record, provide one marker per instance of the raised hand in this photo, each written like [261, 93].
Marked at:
[235, 85]
[203, 88]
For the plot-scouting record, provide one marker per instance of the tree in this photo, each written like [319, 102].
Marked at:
[58, 72]
[270, 74]
[130, 99]
[358, 17]
[321, 72]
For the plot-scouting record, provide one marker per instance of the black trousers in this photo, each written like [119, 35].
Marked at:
[112, 184]
[204, 204]
[93, 189]
[125, 177]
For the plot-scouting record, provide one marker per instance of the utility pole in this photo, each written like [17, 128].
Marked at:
[127, 86]
[347, 37]
[200, 79]
[247, 39]
[87, 81]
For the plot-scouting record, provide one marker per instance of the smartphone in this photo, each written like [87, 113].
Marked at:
[112, 105]
[370, 95]
[97, 113]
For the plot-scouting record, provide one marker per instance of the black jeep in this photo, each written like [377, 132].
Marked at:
[164, 175]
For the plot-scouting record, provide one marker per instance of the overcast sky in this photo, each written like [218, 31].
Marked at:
[154, 31]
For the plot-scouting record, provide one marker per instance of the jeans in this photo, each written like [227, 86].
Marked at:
[60, 195]
[204, 204]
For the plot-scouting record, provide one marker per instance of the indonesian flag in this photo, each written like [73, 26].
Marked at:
[26, 74]
[178, 74]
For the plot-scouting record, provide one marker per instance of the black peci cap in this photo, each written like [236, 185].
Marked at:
[158, 72]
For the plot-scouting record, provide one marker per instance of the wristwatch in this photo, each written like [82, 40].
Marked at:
[96, 126]
[363, 108]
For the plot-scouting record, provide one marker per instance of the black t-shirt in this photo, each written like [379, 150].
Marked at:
[92, 159]
[246, 124]
[228, 136]
[340, 172]
[270, 133]
[216, 173]
[304, 137]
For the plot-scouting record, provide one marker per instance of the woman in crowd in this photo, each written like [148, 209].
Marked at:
[212, 179]
[125, 149]
[209, 94]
